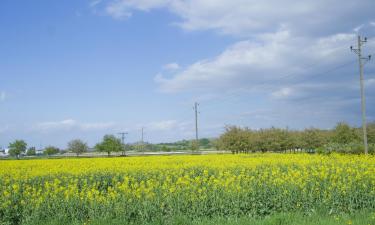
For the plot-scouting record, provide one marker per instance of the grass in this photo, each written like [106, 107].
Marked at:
[360, 218]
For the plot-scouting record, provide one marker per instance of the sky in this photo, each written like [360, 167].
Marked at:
[85, 68]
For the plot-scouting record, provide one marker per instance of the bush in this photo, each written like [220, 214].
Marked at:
[349, 148]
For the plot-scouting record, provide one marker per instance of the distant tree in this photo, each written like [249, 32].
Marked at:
[165, 148]
[31, 151]
[110, 144]
[236, 140]
[51, 150]
[77, 146]
[204, 142]
[370, 132]
[312, 139]
[344, 134]
[17, 148]
[195, 145]
[63, 151]
[296, 140]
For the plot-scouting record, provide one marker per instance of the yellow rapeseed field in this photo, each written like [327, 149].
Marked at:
[143, 188]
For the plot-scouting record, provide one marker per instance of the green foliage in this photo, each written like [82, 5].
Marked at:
[165, 149]
[195, 145]
[290, 218]
[77, 146]
[236, 140]
[51, 150]
[344, 134]
[31, 151]
[325, 184]
[183, 145]
[313, 138]
[109, 144]
[239, 140]
[204, 142]
[342, 139]
[350, 148]
[17, 148]
[371, 132]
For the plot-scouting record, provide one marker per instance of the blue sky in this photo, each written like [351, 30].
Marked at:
[82, 69]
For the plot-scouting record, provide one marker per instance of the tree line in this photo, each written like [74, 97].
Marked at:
[109, 144]
[19, 148]
[342, 138]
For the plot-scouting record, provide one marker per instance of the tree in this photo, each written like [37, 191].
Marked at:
[344, 134]
[194, 145]
[204, 142]
[236, 139]
[17, 147]
[77, 146]
[31, 151]
[371, 132]
[312, 139]
[51, 150]
[110, 144]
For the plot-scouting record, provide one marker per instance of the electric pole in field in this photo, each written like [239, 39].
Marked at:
[362, 61]
[196, 123]
[142, 134]
[123, 141]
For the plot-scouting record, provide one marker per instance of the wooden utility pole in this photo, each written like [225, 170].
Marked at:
[196, 124]
[123, 141]
[362, 61]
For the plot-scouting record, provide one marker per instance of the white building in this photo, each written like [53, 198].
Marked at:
[4, 152]
[39, 151]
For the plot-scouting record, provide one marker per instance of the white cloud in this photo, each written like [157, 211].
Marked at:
[122, 9]
[250, 63]
[2, 96]
[69, 124]
[276, 39]
[171, 66]
[283, 93]
[358, 28]
[97, 126]
[246, 17]
[169, 126]
[163, 125]
[118, 11]
[95, 3]
[63, 124]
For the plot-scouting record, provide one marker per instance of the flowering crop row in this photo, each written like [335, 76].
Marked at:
[148, 188]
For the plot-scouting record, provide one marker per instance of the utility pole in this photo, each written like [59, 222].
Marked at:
[123, 141]
[142, 145]
[362, 61]
[196, 123]
[142, 135]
